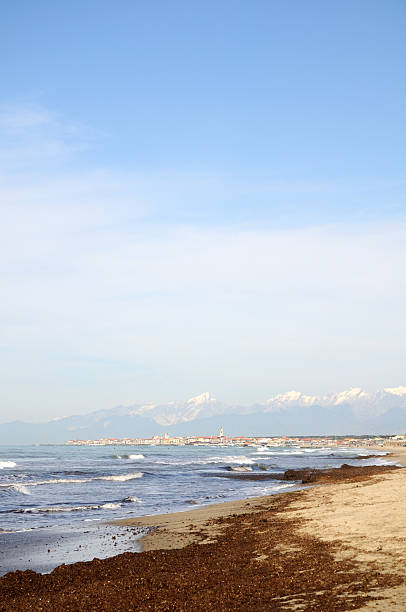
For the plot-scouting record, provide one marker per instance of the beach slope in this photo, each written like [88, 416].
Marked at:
[339, 545]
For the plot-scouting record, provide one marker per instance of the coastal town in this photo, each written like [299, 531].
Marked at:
[223, 440]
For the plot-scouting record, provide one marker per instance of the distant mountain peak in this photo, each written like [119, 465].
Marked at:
[348, 395]
[396, 390]
[203, 398]
[175, 411]
[293, 397]
[289, 396]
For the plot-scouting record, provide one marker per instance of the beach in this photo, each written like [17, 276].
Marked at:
[338, 545]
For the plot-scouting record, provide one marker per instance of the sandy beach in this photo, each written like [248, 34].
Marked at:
[337, 545]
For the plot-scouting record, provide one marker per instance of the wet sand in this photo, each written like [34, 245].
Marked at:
[334, 546]
[43, 549]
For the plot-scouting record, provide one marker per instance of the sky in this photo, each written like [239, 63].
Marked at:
[199, 196]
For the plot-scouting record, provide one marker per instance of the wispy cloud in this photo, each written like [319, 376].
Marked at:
[34, 137]
[21, 119]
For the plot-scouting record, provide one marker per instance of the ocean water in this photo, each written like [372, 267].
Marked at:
[57, 486]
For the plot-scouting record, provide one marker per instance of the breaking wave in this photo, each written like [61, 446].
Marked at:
[240, 459]
[239, 468]
[132, 457]
[21, 488]
[338, 453]
[121, 477]
[55, 509]
[7, 464]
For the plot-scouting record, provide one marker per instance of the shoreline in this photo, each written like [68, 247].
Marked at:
[176, 530]
[397, 453]
[303, 550]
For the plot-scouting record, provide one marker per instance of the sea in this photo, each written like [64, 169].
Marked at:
[59, 486]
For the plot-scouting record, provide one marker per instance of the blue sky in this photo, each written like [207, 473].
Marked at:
[200, 196]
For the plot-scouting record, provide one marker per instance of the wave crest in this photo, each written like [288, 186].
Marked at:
[239, 459]
[121, 477]
[7, 464]
[55, 509]
[21, 488]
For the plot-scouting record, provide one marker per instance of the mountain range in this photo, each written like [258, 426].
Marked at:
[353, 411]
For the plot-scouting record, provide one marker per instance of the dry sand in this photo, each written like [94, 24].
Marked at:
[369, 519]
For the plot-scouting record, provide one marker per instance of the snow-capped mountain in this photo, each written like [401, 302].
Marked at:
[353, 411]
[377, 402]
[177, 412]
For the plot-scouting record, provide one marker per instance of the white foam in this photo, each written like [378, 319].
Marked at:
[241, 468]
[273, 488]
[60, 481]
[285, 451]
[55, 509]
[301, 451]
[21, 489]
[234, 459]
[121, 477]
[7, 464]
[132, 457]
[241, 459]
[323, 450]
[36, 483]
[20, 530]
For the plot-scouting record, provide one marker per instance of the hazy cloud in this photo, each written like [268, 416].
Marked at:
[107, 297]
